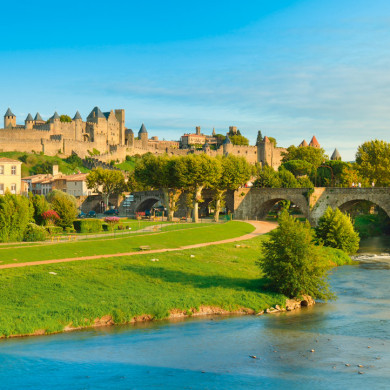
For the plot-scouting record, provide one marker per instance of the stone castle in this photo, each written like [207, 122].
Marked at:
[106, 133]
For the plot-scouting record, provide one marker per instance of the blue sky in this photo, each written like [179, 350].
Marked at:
[289, 68]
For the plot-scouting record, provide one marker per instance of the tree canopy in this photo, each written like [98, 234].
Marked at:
[314, 156]
[373, 161]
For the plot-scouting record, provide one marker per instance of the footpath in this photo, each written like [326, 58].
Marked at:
[261, 227]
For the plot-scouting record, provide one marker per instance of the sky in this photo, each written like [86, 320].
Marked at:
[290, 68]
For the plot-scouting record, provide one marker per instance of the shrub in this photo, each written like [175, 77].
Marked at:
[40, 205]
[35, 233]
[88, 225]
[65, 206]
[292, 262]
[111, 221]
[336, 230]
[52, 230]
[51, 217]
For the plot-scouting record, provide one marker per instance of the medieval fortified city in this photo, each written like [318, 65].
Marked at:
[228, 227]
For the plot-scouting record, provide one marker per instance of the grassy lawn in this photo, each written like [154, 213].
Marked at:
[170, 239]
[224, 276]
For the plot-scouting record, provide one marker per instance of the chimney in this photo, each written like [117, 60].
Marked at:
[55, 170]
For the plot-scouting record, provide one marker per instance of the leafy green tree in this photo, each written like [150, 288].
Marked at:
[373, 161]
[106, 182]
[165, 173]
[239, 140]
[298, 167]
[236, 171]
[272, 140]
[314, 156]
[65, 118]
[336, 230]
[202, 171]
[267, 177]
[16, 212]
[65, 206]
[350, 174]
[305, 182]
[292, 262]
[287, 179]
[40, 205]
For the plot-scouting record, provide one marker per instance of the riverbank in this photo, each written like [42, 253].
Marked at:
[53, 298]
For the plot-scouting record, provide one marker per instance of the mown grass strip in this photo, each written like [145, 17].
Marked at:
[171, 239]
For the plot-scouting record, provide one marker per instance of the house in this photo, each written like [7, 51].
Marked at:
[10, 175]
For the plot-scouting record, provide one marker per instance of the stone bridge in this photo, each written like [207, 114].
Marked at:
[255, 203]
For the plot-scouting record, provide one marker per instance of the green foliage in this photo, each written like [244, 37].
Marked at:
[373, 161]
[65, 118]
[298, 167]
[267, 177]
[65, 206]
[335, 229]
[239, 140]
[35, 232]
[272, 140]
[54, 230]
[336, 256]
[287, 179]
[106, 182]
[305, 182]
[88, 225]
[40, 205]
[16, 212]
[294, 265]
[313, 156]
[74, 161]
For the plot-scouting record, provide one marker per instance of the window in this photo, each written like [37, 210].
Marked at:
[13, 188]
[13, 170]
[1, 169]
[1, 188]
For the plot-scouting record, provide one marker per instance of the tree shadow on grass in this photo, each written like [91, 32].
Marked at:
[196, 280]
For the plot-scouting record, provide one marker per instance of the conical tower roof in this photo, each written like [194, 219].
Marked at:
[38, 117]
[227, 141]
[96, 113]
[55, 116]
[314, 143]
[9, 113]
[336, 155]
[303, 144]
[77, 116]
[29, 118]
[142, 129]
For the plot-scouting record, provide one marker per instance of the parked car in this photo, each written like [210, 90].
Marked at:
[92, 214]
[81, 215]
[111, 212]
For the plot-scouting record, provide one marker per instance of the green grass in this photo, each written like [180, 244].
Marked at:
[171, 239]
[222, 276]
[126, 165]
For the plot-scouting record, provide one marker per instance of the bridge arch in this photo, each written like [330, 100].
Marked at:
[146, 204]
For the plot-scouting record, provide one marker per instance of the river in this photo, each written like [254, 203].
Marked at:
[214, 352]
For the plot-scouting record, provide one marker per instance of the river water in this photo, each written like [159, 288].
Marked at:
[214, 352]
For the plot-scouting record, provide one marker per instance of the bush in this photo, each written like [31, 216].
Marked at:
[292, 262]
[65, 206]
[53, 230]
[88, 225]
[336, 230]
[35, 233]
[40, 205]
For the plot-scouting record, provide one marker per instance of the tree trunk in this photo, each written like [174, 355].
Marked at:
[174, 196]
[166, 201]
[218, 200]
[197, 199]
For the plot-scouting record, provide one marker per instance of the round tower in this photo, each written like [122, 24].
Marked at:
[78, 127]
[227, 146]
[129, 137]
[9, 119]
[29, 122]
[143, 136]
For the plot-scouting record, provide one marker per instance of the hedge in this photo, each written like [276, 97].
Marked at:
[54, 229]
[88, 225]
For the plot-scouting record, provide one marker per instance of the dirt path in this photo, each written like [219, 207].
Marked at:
[262, 227]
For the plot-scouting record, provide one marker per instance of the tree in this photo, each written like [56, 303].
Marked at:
[236, 171]
[202, 171]
[350, 175]
[259, 138]
[106, 182]
[298, 167]
[165, 173]
[65, 118]
[314, 156]
[65, 206]
[292, 262]
[336, 230]
[40, 205]
[16, 213]
[238, 139]
[267, 177]
[373, 161]
[287, 179]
